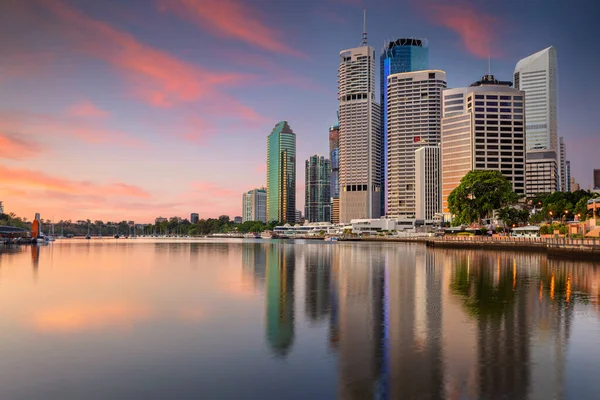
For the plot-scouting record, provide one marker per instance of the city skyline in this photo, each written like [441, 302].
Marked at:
[161, 109]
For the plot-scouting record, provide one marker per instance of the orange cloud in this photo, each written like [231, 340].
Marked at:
[232, 19]
[86, 109]
[17, 147]
[159, 78]
[23, 178]
[81, 318]
[476, 29]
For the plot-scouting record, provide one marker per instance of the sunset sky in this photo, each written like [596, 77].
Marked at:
[127, 110]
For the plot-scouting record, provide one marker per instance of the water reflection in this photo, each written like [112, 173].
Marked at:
[379, 321]
[280, 260]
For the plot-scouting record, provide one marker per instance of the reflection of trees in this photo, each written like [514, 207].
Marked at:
[486, 292]
[280, 260]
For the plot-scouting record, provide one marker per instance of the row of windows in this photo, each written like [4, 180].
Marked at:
[495, 97]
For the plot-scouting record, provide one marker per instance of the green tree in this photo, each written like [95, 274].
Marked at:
[480, 193]
[513, 216]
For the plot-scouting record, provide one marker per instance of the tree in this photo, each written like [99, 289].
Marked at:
[479, 193]
[513, 216]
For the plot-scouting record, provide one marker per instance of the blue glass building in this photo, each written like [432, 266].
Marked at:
[401, 55]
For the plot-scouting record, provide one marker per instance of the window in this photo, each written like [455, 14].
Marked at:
[492, 116]
[479, 109]
[495, 166]
[518, 97]
[480, 103]
[479, 96]
[492, 122]
[492, 110]
[504, 97]
[492, 97]
[505, 104]
[492, 104]
[432, 75]
[479, 115]
[505, 110]
[518, 104]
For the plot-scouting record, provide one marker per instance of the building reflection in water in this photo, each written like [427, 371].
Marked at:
[254, 263]
[317, 290]
[280, 262]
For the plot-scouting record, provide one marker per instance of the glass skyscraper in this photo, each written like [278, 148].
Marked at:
[281, 174]
[317, 198]
[401, 55]
[334, 155]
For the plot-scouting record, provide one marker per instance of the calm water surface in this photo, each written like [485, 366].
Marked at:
[123, 319]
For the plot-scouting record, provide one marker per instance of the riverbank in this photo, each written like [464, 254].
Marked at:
[583, 249]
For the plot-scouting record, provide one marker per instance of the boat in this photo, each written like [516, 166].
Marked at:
[269, 235]
[116, 236]
[332, 239]
[88, 237]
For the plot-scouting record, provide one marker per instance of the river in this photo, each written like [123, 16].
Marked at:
[267, 319]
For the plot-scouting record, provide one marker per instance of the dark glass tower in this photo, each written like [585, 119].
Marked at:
[401, 55]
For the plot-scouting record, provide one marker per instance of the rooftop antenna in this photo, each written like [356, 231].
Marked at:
[364, 35]
[489, 64]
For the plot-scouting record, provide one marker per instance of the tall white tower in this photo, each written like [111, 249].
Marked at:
[536, 75]
[414, 113]
[360, 135]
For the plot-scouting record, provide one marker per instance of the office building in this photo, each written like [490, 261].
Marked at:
[335, 211]
[482, 129]
[536, 75]
[428, 182]
[401, 55]
[298, 216]
[194, 217]
[574, 185]
[414, 104]
[254, 205]
[237, 220]
[360, 135]
[281, 174]
[541, 172]
[317, 199]
[597, 179]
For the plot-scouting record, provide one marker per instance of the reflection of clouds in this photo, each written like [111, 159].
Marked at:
[191, 315]
[79, 318]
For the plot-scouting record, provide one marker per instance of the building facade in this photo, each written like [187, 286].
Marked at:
[428, 182]
[483, 129]
[194, 217]
[541, 172]
[536, 75]
[334, 157]
[400, 55]
[574, 185]
[317, 198]
[254, 205]
[1, 208]
[596, 179]
[414, 104]
[360, 135]
[281, 174]
[568, 177]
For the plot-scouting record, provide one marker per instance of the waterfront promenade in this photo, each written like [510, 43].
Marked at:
[588, 249]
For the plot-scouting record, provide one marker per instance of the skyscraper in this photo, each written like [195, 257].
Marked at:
[597, 179]
[568, 177]
[317, 199]
[536, 75]
[428, 182]
[414, 104]
[334, 154]
[281, 174]
[360, 135]
[194, 217]
[482, 129]
[401, 55]
[254, 205]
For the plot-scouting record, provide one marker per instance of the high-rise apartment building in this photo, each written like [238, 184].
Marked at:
[194, 217]
[574, 185]
[317, 199]
[536, 75]
[568, 177]
[281, 174]
[254, 205]
[597, 179]
[414, 104]
[562, 164]
[482, 129]
[541, 172]
[334, 154]
[360, 135]
[400, 55]
[428, 182]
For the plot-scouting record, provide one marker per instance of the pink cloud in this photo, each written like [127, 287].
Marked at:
[86, 109]
[476, 29]
[17, 147]
[30, 179]
[233, 19]
[158, 78]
